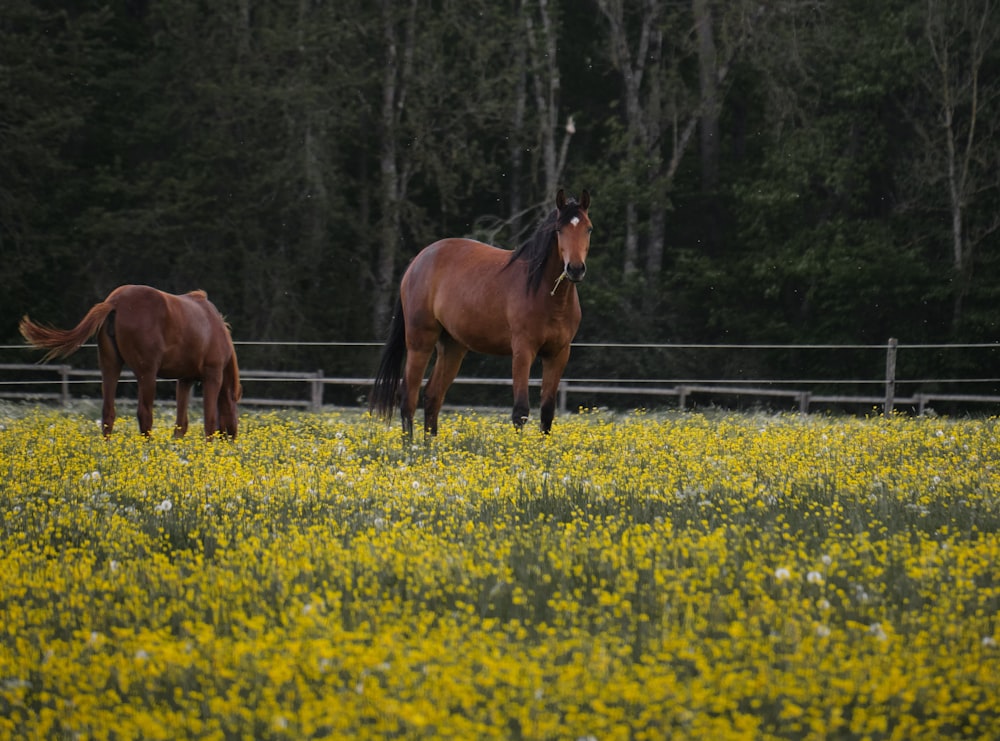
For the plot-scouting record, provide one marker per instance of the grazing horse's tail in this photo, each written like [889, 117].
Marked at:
[63, 342]
[390, 367]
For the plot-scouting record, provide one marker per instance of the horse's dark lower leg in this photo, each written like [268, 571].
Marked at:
[210, 386]
[547, 413]
[446, 365]
[229, 416]
[519, 415]
[406, 409]
[431, 422]
[183, 396]
[110, 370]
[147, 394]
[552, 370]
[521, 368]
[108, 413]
[409, 388]
[431, 409]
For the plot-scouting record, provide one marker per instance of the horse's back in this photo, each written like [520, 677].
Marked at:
[456, 258]
[456, 269]
[137, 299]
[146, 309]
[180, 333]
[463, 287]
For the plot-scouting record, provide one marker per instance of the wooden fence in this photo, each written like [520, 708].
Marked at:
[58, 383]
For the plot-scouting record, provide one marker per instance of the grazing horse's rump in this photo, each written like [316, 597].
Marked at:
[157, 335]
[459, 295]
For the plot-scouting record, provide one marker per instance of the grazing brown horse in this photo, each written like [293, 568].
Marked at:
[459, 295]
[155, 334]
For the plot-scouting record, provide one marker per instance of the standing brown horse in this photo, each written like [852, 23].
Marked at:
[155, 334]
[459, 295]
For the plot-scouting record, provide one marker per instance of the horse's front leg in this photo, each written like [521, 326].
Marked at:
[228, 413]
[183, 396]
[520, 372]
[552, 370]
[211, 384]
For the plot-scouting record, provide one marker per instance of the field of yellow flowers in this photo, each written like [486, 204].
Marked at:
[627, 577]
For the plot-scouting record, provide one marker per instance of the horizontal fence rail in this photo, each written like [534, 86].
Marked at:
[306, 389]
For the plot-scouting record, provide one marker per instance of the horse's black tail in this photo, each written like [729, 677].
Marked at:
[390, 367]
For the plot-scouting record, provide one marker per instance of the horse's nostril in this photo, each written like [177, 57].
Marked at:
[576, 272]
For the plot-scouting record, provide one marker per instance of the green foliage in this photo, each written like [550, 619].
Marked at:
[237, 148]
[50, 61]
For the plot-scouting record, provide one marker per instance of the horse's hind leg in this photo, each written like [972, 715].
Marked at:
[183, 397]
[409, 389]
[147, 394]
[446, 364]
[111, 368]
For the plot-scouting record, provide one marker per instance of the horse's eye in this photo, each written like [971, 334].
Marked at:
[590, 230]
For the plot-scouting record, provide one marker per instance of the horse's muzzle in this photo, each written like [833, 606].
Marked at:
[575, 272]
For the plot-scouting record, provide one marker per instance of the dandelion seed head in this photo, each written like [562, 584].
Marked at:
[876, 630]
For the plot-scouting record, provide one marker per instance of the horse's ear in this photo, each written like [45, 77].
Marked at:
[585, 200]
[561, 199]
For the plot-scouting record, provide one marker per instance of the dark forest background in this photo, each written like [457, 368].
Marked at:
[762, 171]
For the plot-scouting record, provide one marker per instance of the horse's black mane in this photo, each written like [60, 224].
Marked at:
[535, 250]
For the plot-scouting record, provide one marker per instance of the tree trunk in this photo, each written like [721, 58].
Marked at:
[707, 79]
[642, 139]
[312, 165]
[243, 45]
[631, 239]
[545, 62]
[515, 185]
[959, 35]
[709, 123]
[395, 73]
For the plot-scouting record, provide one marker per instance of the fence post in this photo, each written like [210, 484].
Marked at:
[890, 376]
[563, 391]
[682, 395]
[64, 384]
[316, 402]
[804, 399]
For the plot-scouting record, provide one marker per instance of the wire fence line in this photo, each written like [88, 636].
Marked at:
[312, 389]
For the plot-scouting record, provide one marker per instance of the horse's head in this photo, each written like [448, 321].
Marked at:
[573, 230]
